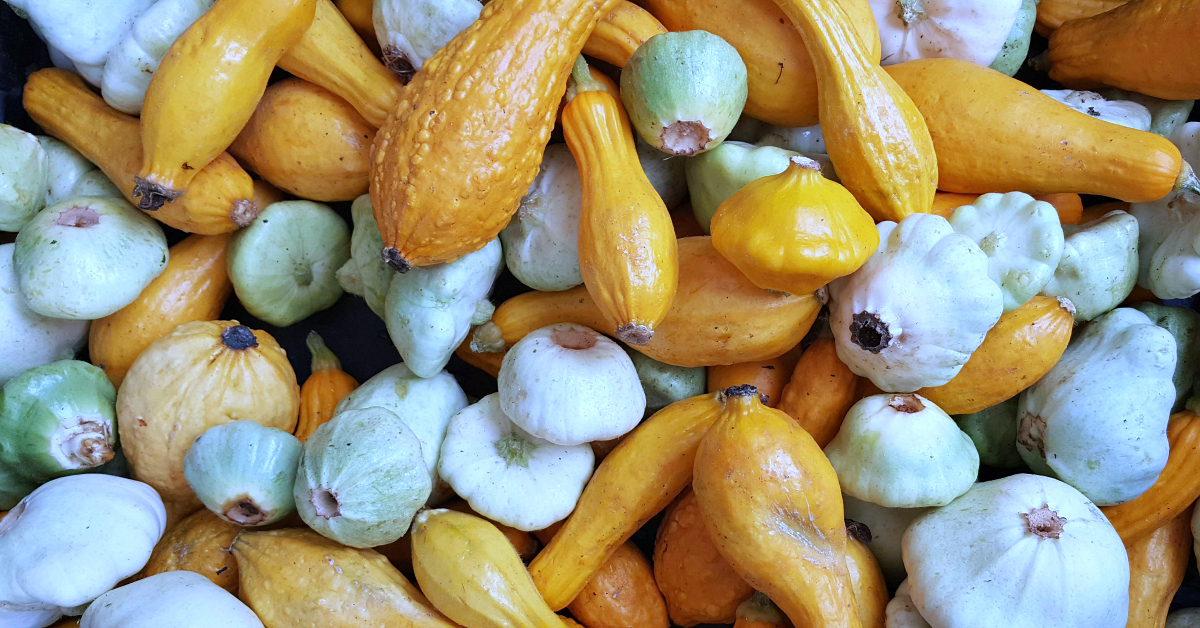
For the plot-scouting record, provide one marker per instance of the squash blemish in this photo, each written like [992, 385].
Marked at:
[908, 404]
[244, 212]
[1030, 435]
[238, 338]
[78, 217]
[1044, 522]
[869, 332]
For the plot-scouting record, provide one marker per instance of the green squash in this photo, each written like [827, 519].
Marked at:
[666, 383]
[994, 432]
[1184, 325]
[719, 173]
[1012, 54]
[364, 274]
[1099, 264]
[13, 487]
[65, 166]
[244, 472]
[24, 178]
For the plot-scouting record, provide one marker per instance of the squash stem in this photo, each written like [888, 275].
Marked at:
[582, 80]
[911, 11]
[322, 358]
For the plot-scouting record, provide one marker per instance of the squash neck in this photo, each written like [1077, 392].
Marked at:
[600, 138]
[835, 48]
[322, 358]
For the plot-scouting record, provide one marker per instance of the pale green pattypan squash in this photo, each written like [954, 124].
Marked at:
[1169, 245]
[971, 30]
[901, 612]
[1184, 325]
[65, 166]
[902, 451]
[541, 242]
[430, 309]
[132, 63]
[1166, 116]
[802, 139]
[887, 527]
[665, 173]
[1023, 551]
[28, 339]
[1016, 48]
[24, 177]
[1099, 265]
[88, 257]
[1098, 419]
[83, 31]
[994, 432]
[1022, 238]
[94, 183]
[509, 475]
[179, 599]
[365, 274]
[71, 540]
[664, 383]
[1184, 618]
[715, 175]
[361, 478]
[410, 31]
[1125, 113]
[912, 315]
[244, 472]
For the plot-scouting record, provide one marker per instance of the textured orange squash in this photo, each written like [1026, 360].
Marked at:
[1157, 565]
[1022, 347]
[358, 14]
[466, 139]
[1053, 13]
[199, 543]
[870, 590]
[620, 31]
[768, 376]
[781, 81]
[325, 387]
[759, 612]
[700, 586]
[219, 198]
[622, 594]
[1176, 488]
[820, 391]
[206, 89]
[307, 141]
[193, 287]
[1035, 145]
[1068, 205]
[650, 467]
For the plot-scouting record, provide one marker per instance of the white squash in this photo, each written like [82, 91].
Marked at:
[132, 62]
[887, 527]
[901, 612]
[1099, 264]
[1187, 139]
[410, 31]
[28, 339]
[541, 242]
[24, 177]
[179, 599]
[71, 540]
[509, 475]
[913, 314]
[1122, 112]
[1098, 419]
[1020, 552]
[1169, 245]
[65, 166]
[971, 30]
[83, 30]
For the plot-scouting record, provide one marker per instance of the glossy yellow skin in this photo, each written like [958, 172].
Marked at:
[639, 478]
[870, 590]
[1053, 13]
[620, 31]
[1022, 347]
[297, 577]
[221, 195]
[470, 572]
[1157, 565]
[1175, 489]
[627, 249]
[207, 86]
[820, 391]
[773, 506]
[795, 231]
[331, 54]
[466, 139]
[199, 543]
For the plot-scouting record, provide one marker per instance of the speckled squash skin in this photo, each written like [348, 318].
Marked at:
[466, 139]
[623, 594]
[199, 543]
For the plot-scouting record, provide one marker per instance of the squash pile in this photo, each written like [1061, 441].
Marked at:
[828, 320]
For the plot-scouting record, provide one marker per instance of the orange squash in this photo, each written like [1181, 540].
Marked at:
[220, 195]
[768, 376]
[870, 590]
[1176, 488]
[620, 31]
[684, 220]
[358, 14]
[820, 391]
[699, 586]
[781, 81]
[622, 594]
[325, 387]
[199, 543]
[1068, 205]
[1036, 145]
[759, 612]
[650, 467]
[206, 89]
[780, 525]
[193, 287]
[466, 139]
[1022, 347]
[307, 141]
[487, 362]
[1157, 565]
[265, 193]
[1053, 13]
[1097, 211]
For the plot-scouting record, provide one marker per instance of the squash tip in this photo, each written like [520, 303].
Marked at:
[152, 195]
[634, 334]
[243, 212]
[859, 531]
[391, 257]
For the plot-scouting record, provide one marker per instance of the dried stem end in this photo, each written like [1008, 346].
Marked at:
[238, 338]
[573, 338]
[858, 530]
[632, 334]
[685, 137]
[325, 503]
[1044, 523]
[244, 512]
[908, 404]
[392, 258]
[244, 212]
[153, 195]
[397, 61]
[78, 217]
[869, 332]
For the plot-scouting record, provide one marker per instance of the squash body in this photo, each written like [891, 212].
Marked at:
[199, 543]
[1157, 564]
[866, 579]
[1184, 325]
[974, 32]
[1053, 13]
[1098, 268]
[411, 31]
[358, 14]
[365, 274]
[768, 376]
[28, 339]
[1175, 488]
[715, 175]
[244, 472]
[994, 432]
[623, 594]
[25, 177]
[1123, 112]
[902, 612]
[620, 31]
[441, 190]
[887, 527]
[1167, 231]
[1068, 204]
[193, 287]
[65, 167]
[820, 392]
[541, 242]
[82, 32]
[177, 598]
[665, 384]
[325, 387]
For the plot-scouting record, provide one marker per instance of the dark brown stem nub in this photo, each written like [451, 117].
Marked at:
[908, 404]
[868, 332]
[398, 62]
[858, 530]
[153, 196]
[244, 212]
[1044, 522]
[239, 337]
[244, 512]
[632, 334]
[745, 390]
[392, 258]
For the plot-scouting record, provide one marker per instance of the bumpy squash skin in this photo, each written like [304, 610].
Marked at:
[1176, 488]
[627, 249]
[327, 384]
[1145, 46]
[781, 80]
[220, 196]
[645, 472]
[199, 543]
[331, 54]
[620, 31]
[1022, 347]
[307, 141]
[622, 594]
[1157, 565]
[871, 595]
[768, 376]
[466, 139]
[820, 391]
[193, 287]
[1041, 146]
[1053, 13]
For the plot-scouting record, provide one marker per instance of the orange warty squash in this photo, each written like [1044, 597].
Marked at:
[622, 594]
[325, 387]
[1157, 565]
[820, 391]
[206, 88]
[466, 139]
[199, 543]
[620, 31]
[759, 612]
[193, 287]
[768, 376]
[870, 590]
[1068, 205]
[1177, 486]
[1053, 13]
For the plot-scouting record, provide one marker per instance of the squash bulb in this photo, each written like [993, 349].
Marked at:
[244, 472]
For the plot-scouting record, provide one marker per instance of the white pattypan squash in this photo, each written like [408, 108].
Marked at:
[1023, 551]
[971, 30]
[1125, 113]
[65, 166]
[430, 309]
[541, 242]
[132, 63]
[1166, 116]
[83, 30]
[1169, 245]
[24, 177]
[179, 599]
[913, 314]
[1098, 419]
[71, 540]
[410, 31]
[509, 475]
[901, 612]
[1099, 264]
[1184, 618]
[1187, 139]
[887, 527]
[28, 339]
[1022, 238]
[94, 183]
[570, 385]
[365, 274]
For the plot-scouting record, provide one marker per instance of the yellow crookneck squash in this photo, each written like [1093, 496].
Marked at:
[221, 195]
[866, 579]
[768, 376]
[877, 139]
[193, 287]
[466, 139]
[779, 525]
[820, 392]
[1054, 13]
[795, 231]
[207, 87]
[1146, 46]
[1176, 488]
[627, 250]
[620, 31]
[1157, 565]
[1034, 143]
[325, 387]
[199, 543]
